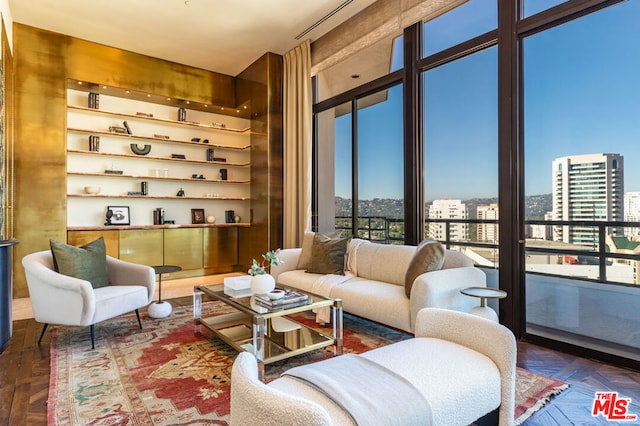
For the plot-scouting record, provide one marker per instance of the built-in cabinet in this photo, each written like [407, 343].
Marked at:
[146, 155]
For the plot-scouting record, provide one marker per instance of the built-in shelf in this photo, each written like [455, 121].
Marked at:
[113, 175]
[160, 120]
[158, 197]
[167, 226]
[156, 139]
[148, 157]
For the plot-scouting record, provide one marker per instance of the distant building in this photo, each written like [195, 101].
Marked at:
[488, 232]
[540, 232]
[587, 187]
[632, 212]
[448, 209]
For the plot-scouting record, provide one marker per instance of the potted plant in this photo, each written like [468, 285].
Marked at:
[261, 281]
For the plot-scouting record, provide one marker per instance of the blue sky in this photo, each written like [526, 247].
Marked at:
[582, 95]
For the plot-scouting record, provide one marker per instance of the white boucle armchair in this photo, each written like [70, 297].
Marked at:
[63, 300]
[463, 365]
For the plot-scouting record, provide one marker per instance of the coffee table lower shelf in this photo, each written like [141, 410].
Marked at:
[236, 329]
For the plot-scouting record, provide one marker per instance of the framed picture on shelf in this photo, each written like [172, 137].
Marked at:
[118, 215]
[197, 215]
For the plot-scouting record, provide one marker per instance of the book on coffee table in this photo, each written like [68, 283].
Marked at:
[290, 297]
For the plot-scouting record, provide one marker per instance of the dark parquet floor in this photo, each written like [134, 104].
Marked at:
[24, 380]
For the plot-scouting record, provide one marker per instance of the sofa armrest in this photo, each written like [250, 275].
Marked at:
[289, 258]
[441, 289]
[127, 273]
[481, 335]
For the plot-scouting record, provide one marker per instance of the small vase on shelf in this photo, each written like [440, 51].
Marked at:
[262, 283]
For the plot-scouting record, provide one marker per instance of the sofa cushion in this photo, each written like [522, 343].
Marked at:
[328, 255]
[429, 256]
[305, 254]
[88, 262]
[381, 262]
[375, 300]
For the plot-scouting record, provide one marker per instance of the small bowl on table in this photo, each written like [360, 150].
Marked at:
[275, 294]
[92, 190]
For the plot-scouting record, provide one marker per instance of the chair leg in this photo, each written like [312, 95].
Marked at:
[93, 337]
[42, 334]
[138, 315]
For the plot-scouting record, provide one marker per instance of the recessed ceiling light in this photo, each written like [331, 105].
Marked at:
[222, 109]
[79, 82]
[245, 107]
[206, 106]
[104, 87]
[126, 91]
[148, 95]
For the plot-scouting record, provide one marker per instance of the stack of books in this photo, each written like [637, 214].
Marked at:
[290, 299]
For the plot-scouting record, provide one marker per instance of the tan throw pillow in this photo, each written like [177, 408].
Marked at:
[88, 262]
[307, 250]
[429, 256]
[328, 255]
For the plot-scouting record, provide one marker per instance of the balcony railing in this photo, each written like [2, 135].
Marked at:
[381, 230]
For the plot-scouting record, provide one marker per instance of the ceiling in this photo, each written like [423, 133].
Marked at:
[225, 36]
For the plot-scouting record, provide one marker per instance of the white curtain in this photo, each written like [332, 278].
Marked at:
[297, 144]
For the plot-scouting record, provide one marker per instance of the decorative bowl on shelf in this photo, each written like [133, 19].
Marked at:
[92, 189]
[276, 294]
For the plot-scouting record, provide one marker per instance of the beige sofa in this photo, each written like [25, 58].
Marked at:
[374, 287]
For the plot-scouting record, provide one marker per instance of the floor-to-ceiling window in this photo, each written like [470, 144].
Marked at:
[508, 100]
[581, 130]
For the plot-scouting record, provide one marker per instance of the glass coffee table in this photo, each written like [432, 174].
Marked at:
[264, 331]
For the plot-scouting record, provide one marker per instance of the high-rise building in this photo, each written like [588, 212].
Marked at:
[448, 209]
[632, 212]
[587, 188]
[488, 232]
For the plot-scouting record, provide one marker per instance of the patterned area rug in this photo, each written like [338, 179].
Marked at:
[166, 375]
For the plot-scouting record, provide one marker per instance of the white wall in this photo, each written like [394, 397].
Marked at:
[8, 20]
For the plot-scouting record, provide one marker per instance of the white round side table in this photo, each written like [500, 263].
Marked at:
[484, 293]
[161, 309]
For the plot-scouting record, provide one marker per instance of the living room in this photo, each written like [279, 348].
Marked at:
[50, 64]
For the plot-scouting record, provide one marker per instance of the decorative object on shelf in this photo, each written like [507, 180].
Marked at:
[236, 218]
[118, 215]
[211, 219]
[113, 172]
[229, 216]
[197, 215]
[135, 193]
[94, 143]
[144, 187]
[140, 151]
[197, 176]
[94, 100]
[156, 172]
[223, 174]
[160, 136]
[181, 156]
[182, 114]
[195, 139]
[126, 126]
[180, 193]
[210, 155]
[165, 172]
[205, 141]
[261, 281]
[220, 125]
[116, 129]
[220, 159]
[169, 222]
[144, 114]
[92, 189]
[158, 216]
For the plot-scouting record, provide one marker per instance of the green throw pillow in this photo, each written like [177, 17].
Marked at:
[88, 262]
[429, 256]
[328, 255]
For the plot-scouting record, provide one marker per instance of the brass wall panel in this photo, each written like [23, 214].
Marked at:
[262, 83]
[111, 240]
[183, 247]
[220, 249]
[142, 246]
[43, 61]
[7, 137]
